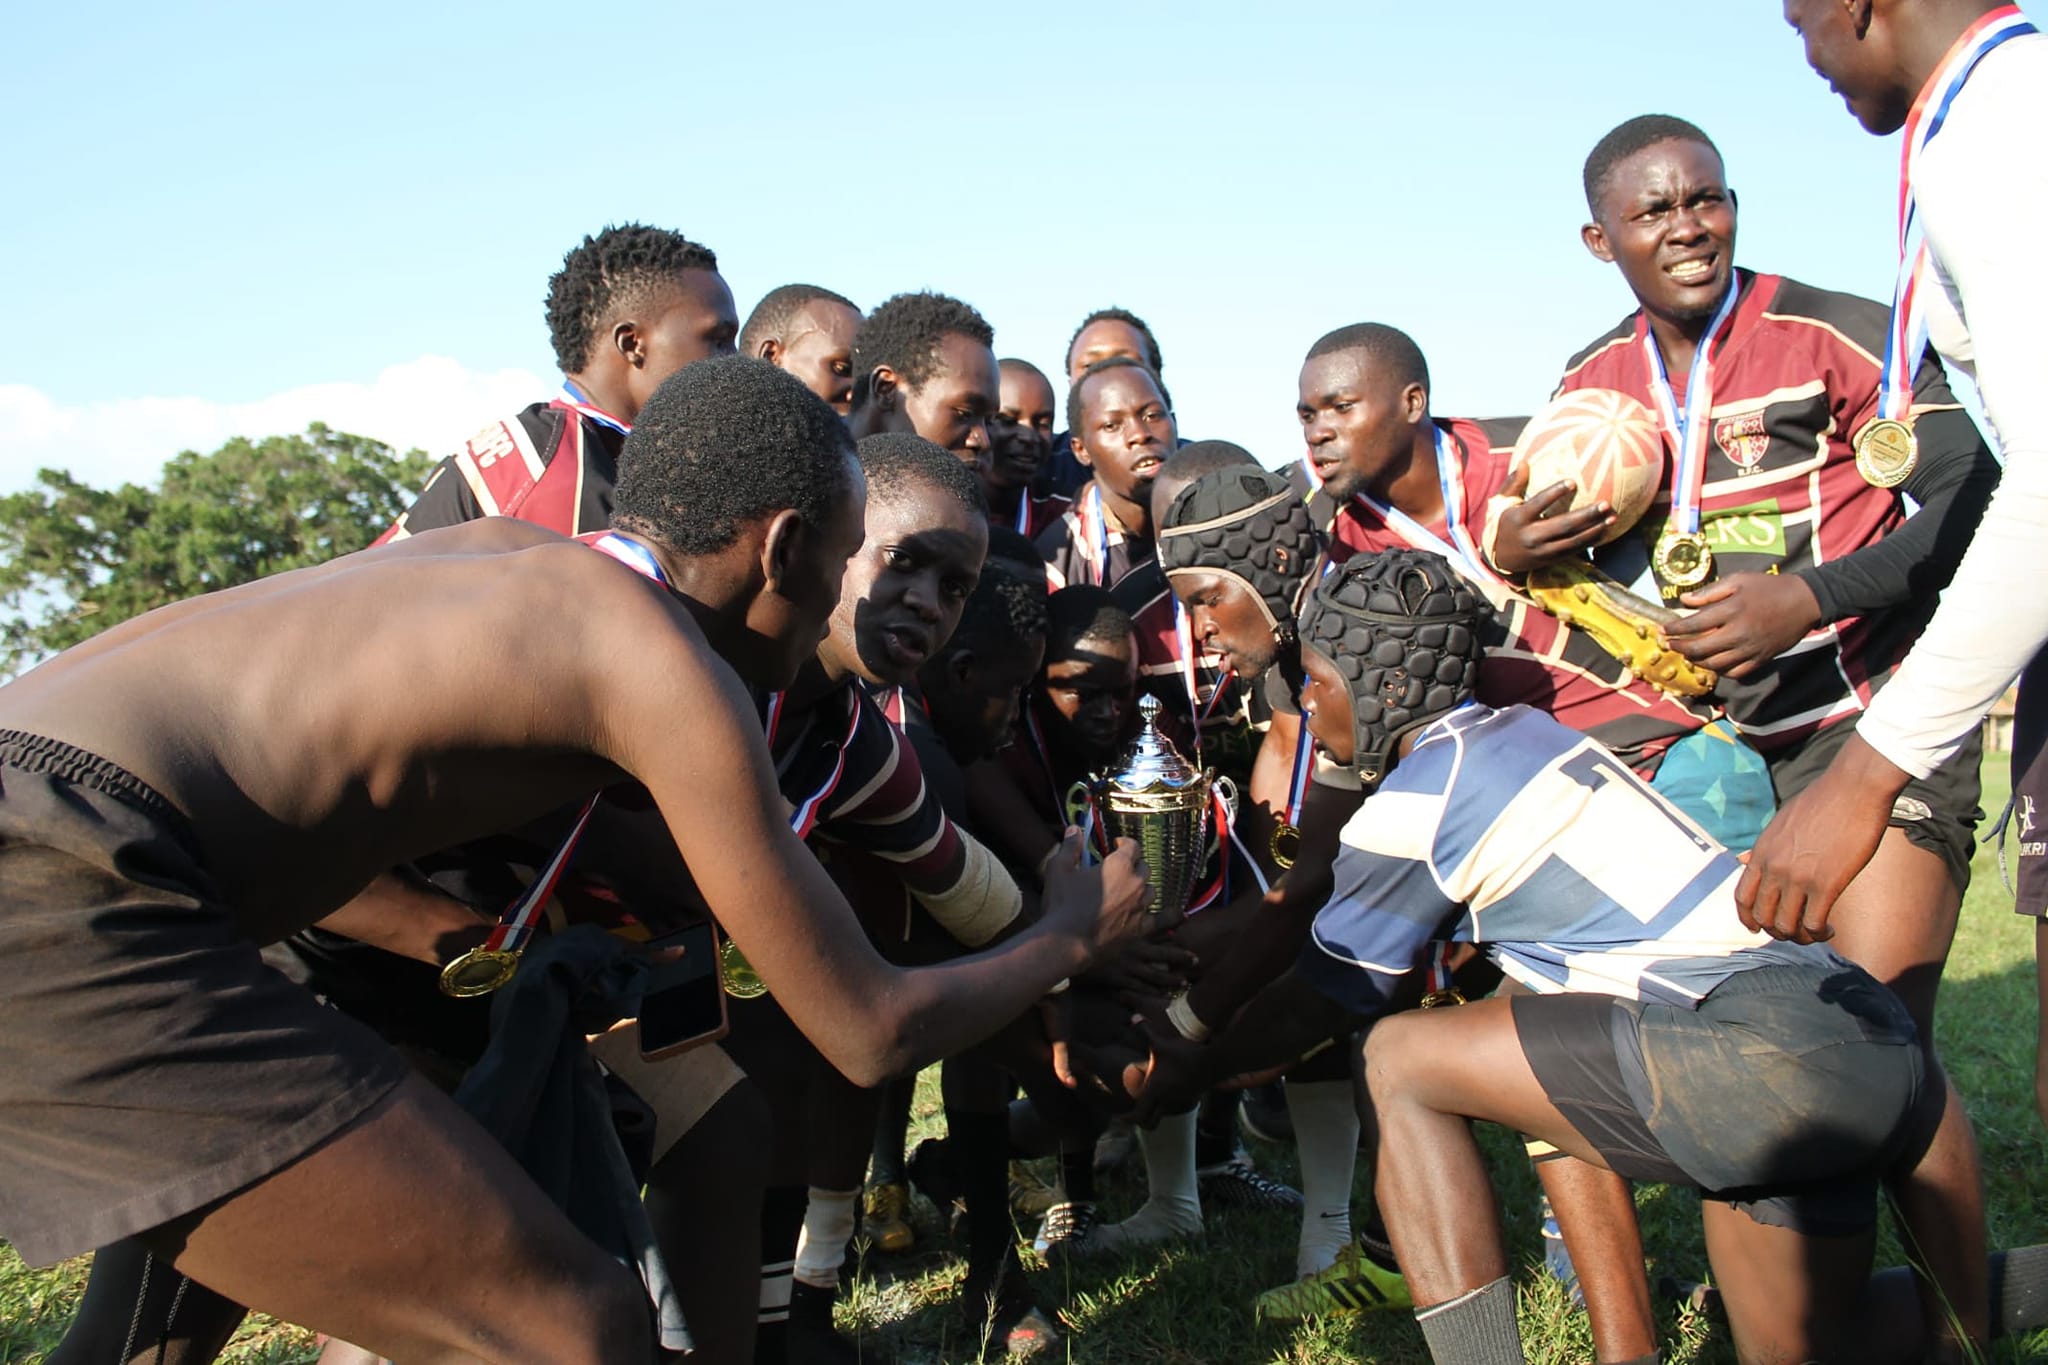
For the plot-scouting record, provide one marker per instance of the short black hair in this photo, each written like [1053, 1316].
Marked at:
[904, 333]
[1082, 611]
[1625, 140]
[1130, 319]
[1383, 345]
[724, 442]
[1105, 366]
[1006, 608]
[1197, 458]
[1012, 546]
[893, 459]
[1011, 362]
[772, 316]
[612, 271]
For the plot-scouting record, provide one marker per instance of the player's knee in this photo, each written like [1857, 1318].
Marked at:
[1388, 1057]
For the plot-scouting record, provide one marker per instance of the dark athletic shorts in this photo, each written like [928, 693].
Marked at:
[154, 1065]
[2027, 833]
[1939, 812]
[1787, 1093]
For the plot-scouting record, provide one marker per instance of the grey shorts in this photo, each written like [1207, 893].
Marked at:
[1788, 1093]
[154, 1064]
[1938, 812]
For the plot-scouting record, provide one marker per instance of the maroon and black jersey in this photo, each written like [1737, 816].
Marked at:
[1531, 657]
[1795, 379]
[1034, 514]
[553, 464]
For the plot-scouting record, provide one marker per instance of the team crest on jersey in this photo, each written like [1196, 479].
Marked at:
[1743, 438]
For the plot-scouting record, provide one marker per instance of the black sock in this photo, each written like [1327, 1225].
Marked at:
[782, 1221]
[1077, 1175]
[811, 1337]
[2019, 1289]
[980, 1151]
[1216, 1128]
[892, 1127]
[1477, 1328]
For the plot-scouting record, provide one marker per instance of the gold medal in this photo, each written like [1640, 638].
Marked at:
[478, 972]
[1684, 561]
[1886, 451]
[1286, 844]
[1449, 995]
[737, 975]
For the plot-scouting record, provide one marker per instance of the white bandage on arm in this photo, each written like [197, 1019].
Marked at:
[982, 903]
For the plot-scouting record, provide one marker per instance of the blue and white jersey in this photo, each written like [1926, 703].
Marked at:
[1509, 830]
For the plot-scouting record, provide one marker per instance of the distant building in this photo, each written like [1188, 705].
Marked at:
[1998, 725]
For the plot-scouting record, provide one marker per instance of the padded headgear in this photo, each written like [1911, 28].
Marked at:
[1403, 629]
[1248, 524]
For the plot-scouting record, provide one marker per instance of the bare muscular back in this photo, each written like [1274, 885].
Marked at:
[323, 725]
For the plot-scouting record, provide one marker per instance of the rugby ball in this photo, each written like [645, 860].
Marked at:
[1604, 443]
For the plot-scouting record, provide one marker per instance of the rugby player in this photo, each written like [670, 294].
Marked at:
[807, 330]
[155, 837]
[1652, 1016]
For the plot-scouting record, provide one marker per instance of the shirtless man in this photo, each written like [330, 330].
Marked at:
[153, 834]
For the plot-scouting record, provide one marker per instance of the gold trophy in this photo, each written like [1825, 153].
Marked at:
[1163, 802]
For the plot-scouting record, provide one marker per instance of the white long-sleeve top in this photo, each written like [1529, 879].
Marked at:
[1982, 186]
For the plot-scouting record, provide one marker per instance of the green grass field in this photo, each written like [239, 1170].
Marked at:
[1192, 1303]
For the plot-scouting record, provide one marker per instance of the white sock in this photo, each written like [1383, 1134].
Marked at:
[1173, 1205]
[1326, 1139]
[821, 1246]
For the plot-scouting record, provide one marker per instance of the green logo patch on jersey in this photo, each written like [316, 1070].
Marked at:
[1755, 528]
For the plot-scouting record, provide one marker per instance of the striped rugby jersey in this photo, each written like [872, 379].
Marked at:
[548, 464]
[1795, 380]
[1508, 830]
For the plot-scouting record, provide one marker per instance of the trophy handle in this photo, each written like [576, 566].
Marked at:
[1227, 789]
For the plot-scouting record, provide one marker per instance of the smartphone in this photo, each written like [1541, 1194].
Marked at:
[683, 1005]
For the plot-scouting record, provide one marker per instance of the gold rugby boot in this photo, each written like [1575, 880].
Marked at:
[1623, 624]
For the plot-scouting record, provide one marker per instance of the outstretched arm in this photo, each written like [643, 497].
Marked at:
[716, 790]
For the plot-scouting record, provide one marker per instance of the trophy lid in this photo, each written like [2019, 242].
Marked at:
[1151, 762]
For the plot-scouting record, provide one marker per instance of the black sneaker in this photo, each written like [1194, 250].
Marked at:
[1067, 1228]
[1237, 1184]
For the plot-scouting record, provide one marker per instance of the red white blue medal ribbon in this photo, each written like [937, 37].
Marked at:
[1440, 989]
[1460, 550]
[1093, 524]
[1688, 429]
[804, 817]
[573, 397]
[516, 923]
[1184, 639]
[1906, 338]
[1023, 517]
[1297, 780]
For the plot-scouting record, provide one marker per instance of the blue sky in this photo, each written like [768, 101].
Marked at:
[240, 217]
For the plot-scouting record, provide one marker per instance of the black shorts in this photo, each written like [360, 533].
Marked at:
[154, 1065]
[1939, 812]
[2028, 830]
[1788, 1093]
